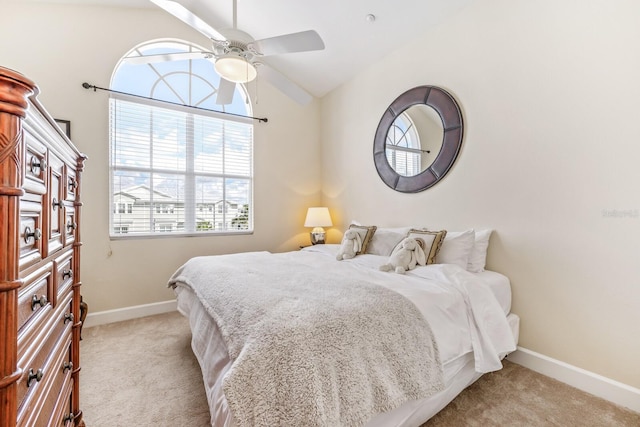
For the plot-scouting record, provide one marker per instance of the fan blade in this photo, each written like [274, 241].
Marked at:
[284, 85]
[189, 18]
[225, 92]
[182, 56]
[295, 42]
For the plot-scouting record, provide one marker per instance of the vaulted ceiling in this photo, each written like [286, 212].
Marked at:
[353, 39]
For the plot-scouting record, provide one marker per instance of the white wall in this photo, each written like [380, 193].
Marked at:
[62, 46]
[550, 94]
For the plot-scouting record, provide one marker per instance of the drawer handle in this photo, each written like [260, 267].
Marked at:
[72, 184]
[38, 301]
[71, 226]
[57, 203]
[28, 234]
[67, 366]
[34, 376]
[68, 318]
[66, 274]
[34, 164]
[67, 418]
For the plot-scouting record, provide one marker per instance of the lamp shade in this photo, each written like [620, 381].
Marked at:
[318, 217]
[235, 68]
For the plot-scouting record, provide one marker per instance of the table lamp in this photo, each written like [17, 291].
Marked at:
[317, 218]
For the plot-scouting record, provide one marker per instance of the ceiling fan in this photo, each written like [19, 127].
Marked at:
[237, 55]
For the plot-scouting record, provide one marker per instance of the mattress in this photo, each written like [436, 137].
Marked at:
[456, 348]
[500, 286]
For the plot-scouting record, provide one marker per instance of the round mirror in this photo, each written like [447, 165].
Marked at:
[418, 139]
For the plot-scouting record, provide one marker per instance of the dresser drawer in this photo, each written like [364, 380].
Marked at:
[55, 401]
[31, 231]
[35, 165]
[37, 359]
[70, 226]
[35, 298]
[63, 416]
[72, 184]
[63, 268]
[56, 204]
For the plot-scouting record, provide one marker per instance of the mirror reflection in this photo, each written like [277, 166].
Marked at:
[414, 140]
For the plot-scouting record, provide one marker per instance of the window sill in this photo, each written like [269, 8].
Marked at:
[177, 235]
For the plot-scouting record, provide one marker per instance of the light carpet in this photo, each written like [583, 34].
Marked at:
[142, 372]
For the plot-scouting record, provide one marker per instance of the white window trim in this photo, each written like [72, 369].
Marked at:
[188, 110]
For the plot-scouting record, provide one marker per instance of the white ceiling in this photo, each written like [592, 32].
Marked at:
[351, 41]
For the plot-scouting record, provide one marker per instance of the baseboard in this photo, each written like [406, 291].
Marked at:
[128, 313]
[606, 388]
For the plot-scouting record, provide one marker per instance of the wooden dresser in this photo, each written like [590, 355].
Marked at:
[39, 262]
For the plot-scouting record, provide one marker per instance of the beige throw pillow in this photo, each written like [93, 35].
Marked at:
[432, 242]
[366, 233]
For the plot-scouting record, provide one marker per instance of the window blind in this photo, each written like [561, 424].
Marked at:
[404, 161]
[178, 170]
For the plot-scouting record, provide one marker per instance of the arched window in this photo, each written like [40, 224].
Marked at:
[403, 146]
[169, 159]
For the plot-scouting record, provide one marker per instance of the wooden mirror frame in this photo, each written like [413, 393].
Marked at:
[449, 111]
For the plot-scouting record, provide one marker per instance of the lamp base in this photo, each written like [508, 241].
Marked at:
[317, 236]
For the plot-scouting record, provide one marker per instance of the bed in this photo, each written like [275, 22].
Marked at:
[467, 314]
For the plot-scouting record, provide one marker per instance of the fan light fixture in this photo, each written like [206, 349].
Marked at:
[235, 68]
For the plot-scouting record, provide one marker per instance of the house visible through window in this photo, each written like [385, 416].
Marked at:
[173, 168]
[121, 229]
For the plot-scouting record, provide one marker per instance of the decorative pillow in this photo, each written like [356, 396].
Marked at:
[432, 241]
[385, 239]
[366, 233]
[456, 248]
[478, 256]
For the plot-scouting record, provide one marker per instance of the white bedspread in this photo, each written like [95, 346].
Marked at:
[462, 311]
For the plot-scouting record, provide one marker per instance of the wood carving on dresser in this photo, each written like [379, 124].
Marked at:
[40, 214]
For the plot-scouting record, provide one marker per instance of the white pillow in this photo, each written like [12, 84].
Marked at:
[456, 248]
[478, 256]
[385, 239]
